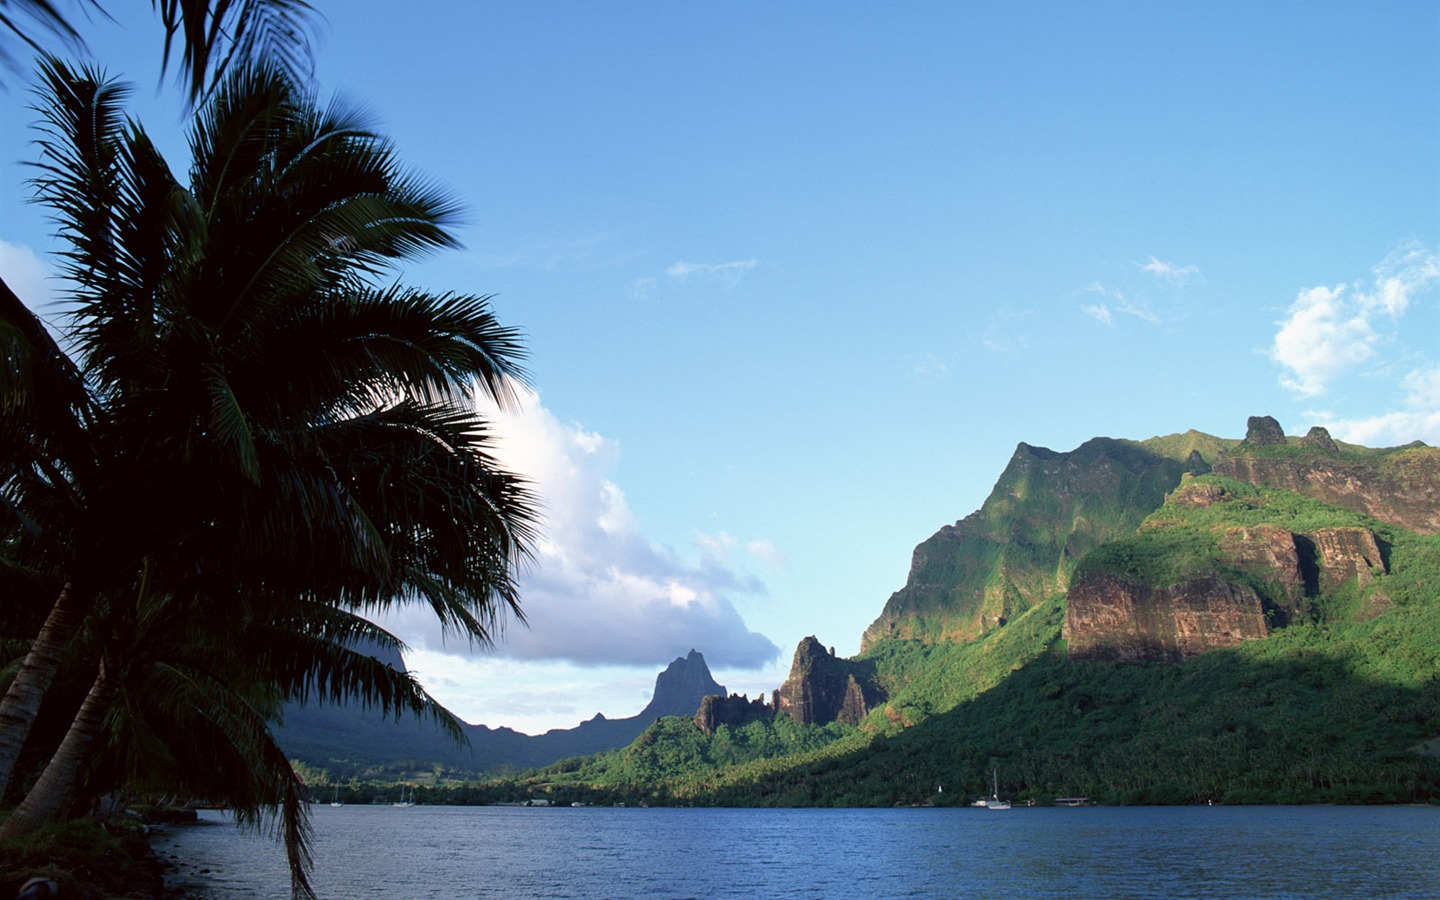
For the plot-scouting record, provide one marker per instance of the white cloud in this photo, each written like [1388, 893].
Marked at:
[28, 275]
[1330, 332]
[1325, 335]
[1100, 313]
[1418, 419]
[1407, 271]
[599, 592]
[529, 696]
[1168, 270]
[726, 273]
[643, 288]
[715, 543]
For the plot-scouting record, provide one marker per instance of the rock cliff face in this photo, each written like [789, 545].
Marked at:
[680, 689]
[1401, 486]
[1343, 554]
[1126, 605]
[823, 688]
[733, 711]
[1272, 554]
[1114, 618]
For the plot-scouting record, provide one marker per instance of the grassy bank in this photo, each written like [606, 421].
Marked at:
[86, 859]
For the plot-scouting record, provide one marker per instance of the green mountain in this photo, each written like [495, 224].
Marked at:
[1044, 514]
[1182, 619]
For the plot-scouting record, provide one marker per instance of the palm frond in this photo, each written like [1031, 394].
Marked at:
[216, 35]
[81, 134]
[197, 735]
[28, 20]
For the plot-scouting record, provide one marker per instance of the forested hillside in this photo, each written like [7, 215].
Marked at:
[1238, 643]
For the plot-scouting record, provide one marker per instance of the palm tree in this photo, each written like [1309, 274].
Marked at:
[213, 34]
[272, 431]
[44, 416]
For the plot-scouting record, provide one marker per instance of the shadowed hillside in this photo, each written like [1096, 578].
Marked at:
[1118, 624]
[349, 743]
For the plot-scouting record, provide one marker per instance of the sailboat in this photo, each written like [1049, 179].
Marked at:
[402, 801]
[336, 801]
[995, 802]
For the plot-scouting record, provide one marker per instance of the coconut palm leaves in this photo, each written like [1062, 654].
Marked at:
[212, 35]
[254, 436]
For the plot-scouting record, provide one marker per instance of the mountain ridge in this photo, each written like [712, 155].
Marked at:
[1120, 621]
[350, 742]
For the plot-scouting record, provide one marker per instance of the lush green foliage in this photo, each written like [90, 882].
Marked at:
[1181, 541]
[1332, 708]
[257, 448]
[1046, 512]
[1179, 446]
[1314, 714]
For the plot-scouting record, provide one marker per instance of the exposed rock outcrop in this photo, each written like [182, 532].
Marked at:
[1345, 554]
[1272, 554]
[1049, 511]
[1114, 618]
[1263, 431]
[346, 739]
[1319, 438]
[1401, 486]
[823, 688]
[1198, 494]
[732, 711]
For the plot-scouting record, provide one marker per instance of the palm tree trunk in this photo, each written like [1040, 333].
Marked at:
[37, 672]
[49, 800]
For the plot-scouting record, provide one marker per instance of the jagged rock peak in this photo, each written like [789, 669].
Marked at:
[680, 688]
[732, 711]
[1023, 450]
[1319, 438]
[1261, 431]
[823, 688]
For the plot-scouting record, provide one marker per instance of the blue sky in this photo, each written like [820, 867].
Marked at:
[796, 278]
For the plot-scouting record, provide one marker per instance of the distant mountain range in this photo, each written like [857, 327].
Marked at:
[1180, 619]
[349, 742]
[1174, 620]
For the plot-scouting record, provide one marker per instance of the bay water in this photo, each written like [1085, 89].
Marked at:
[1043, 852]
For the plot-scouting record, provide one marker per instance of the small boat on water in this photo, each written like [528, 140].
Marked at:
[336, 802]
[402, 802]
[995, 802]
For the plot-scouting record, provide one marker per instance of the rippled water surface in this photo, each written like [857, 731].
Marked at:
[510, 852]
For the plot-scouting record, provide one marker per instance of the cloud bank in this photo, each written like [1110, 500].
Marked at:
[1418, 417]
[599, 592]
[1332, 335]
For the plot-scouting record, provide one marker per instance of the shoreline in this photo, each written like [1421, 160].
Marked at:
[91, 859]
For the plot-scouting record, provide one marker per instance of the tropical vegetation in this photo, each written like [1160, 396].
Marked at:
[1340, 704]
[244, 447]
